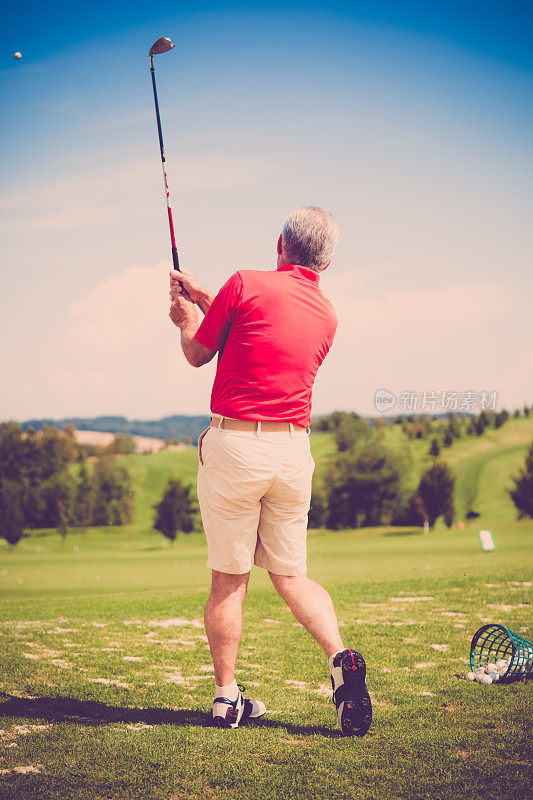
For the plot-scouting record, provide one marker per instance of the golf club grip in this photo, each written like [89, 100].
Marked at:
[175, 259]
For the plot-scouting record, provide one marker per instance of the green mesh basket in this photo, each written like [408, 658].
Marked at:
[492, 643]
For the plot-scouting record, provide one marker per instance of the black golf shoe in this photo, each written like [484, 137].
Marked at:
[350, 693]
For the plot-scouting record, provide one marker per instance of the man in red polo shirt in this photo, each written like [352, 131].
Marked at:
[271, 330]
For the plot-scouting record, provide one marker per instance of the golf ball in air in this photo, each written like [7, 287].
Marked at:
[17, 55]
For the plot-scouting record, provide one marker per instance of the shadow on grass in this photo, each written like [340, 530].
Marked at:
[92, 712]
[411, 532]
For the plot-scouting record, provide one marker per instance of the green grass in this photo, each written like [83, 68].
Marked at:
[150, 474]
[484, 465]
[107, 704]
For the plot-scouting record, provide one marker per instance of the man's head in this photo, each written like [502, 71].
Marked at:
[308, 238]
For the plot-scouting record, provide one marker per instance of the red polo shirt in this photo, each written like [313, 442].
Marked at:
[272, 330]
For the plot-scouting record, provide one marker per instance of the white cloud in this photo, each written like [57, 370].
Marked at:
[122, 351]
[97, 197]
[419, 340]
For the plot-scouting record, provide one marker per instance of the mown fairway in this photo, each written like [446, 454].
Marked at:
[106, 676]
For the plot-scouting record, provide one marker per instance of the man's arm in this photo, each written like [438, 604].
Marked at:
[184, 315]
[196, 354]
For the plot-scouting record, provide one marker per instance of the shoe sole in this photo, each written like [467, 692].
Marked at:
[356, 715]
[220, 722]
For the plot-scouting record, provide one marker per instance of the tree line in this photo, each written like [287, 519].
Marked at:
[45, 482]
[366, 483]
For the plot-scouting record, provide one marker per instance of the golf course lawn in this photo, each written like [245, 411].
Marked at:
[106, 678]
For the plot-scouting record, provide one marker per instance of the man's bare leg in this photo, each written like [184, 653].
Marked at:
[223, 622]
[313, 608]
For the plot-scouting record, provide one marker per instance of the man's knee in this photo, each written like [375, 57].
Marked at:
[285, 583]
[224, 584]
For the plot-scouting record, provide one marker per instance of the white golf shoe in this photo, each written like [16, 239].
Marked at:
[230, 713]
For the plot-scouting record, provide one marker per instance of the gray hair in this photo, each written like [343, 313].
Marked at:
[309, 237]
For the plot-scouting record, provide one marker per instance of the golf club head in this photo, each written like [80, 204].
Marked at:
[163, 45]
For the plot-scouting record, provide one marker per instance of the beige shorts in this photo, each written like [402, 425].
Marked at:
[254, 490]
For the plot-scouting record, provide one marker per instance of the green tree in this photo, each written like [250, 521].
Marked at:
[11, 511]
[453, 426]
[56, 451]
[471, 427]
[345, 435]
[14, 452]
[84, 498]
[436, 493]
[365, 489]
[58, 494]
[425, 426]
[434, 450]
[38, 463]
[479, 425]
[522, 492]
[175, 511]
[348, 429]
[500, 418]
[318, 512]
[448, 438]
[412, 512]
[33, 504]
[113, 502]
[320, 424]
[122, 444]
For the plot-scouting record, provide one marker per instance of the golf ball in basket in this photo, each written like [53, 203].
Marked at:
[490, 668]
[480, 670]
[485, 679]
[494, 676]
[17, 55]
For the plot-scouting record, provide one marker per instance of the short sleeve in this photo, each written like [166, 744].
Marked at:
[215, 326]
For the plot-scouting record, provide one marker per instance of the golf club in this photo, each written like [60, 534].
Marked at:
[163, 45]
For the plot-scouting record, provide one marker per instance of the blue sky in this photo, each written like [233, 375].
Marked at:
[410, 121]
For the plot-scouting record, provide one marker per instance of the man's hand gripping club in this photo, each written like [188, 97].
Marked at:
[186, 292]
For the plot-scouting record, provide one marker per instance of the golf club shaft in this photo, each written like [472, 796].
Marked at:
[175, 260]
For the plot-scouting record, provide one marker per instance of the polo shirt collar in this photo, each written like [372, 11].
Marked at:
[303, 272]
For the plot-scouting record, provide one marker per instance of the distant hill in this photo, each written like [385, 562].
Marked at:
[178, 426]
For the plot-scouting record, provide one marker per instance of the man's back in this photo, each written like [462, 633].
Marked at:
[272, 329]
